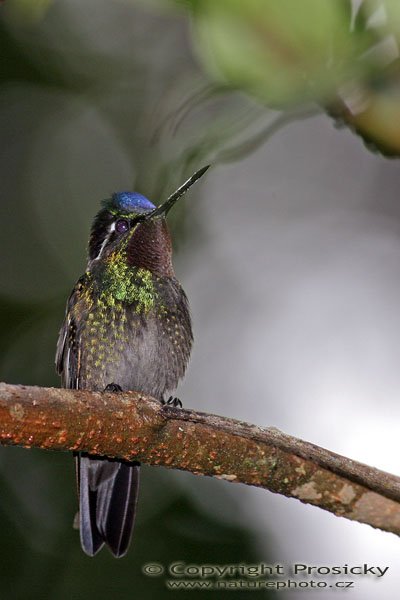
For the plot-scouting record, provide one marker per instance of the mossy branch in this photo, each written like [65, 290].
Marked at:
[132, 426]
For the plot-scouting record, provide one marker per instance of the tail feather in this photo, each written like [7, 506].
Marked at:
[122, 509]
[91, 540]
[108, 492]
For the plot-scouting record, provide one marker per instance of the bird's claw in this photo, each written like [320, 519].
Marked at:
[113, 387]
[173, 401]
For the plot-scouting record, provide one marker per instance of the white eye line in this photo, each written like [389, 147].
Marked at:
[111, 229]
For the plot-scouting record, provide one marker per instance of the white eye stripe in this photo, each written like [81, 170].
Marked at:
[111, 229]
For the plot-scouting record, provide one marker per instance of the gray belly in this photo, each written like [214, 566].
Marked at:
[148, 354]
[145, 361]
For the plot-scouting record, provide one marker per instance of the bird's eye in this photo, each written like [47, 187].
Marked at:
[122, 225]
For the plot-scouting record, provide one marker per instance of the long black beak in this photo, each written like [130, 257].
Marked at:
[164, 208]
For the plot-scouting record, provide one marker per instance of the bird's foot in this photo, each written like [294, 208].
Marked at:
[172, 401]
[113, 387]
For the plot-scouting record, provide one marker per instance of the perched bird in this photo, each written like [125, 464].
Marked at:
[127, 327]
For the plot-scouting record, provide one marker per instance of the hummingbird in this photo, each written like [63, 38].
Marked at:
[127, 326]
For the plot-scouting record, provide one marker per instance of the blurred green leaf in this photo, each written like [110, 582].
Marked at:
[281, 52]
[371, 107]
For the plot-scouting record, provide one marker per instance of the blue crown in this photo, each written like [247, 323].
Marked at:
[131, 202]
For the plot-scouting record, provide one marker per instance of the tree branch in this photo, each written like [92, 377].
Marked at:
[132, 426]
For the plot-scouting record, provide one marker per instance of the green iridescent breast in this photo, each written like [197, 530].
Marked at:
[119, 282]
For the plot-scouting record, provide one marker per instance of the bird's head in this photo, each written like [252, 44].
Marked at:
[130, 223]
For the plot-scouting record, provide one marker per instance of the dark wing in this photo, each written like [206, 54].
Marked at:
[68, 349]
